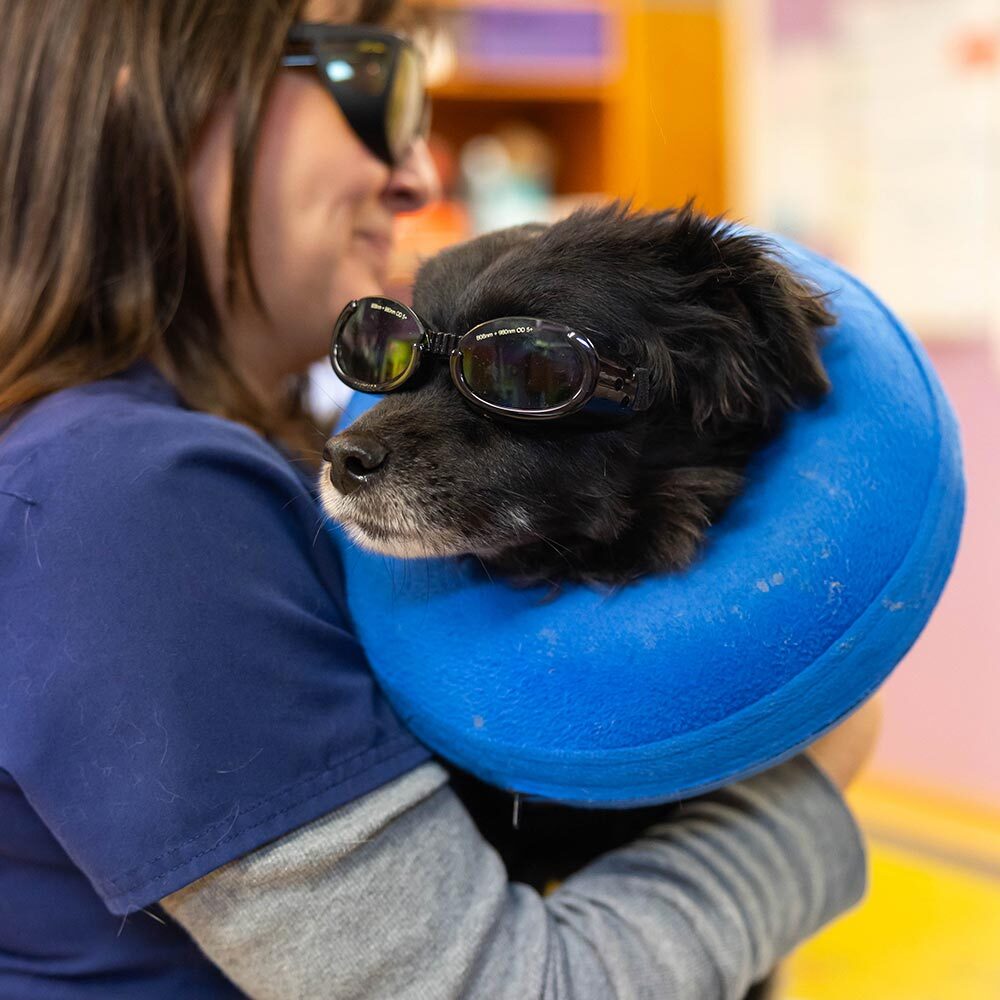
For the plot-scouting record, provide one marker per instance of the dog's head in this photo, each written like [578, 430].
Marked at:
[729, 336]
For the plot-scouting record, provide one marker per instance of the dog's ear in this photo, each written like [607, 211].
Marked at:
[442, 279]
[744, 332]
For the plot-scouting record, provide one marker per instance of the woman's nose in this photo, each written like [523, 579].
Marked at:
[414, 182]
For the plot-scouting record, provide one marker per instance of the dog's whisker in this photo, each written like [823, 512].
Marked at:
[486, 568]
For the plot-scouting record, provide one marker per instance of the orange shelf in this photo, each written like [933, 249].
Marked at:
[536, 89]
[643, 121]
[604, 6]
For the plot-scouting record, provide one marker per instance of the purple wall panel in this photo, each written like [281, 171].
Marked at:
[498, 38]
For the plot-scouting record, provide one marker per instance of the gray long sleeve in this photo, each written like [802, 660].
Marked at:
[398, 897]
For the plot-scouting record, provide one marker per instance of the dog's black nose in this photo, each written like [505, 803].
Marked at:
[354, 460]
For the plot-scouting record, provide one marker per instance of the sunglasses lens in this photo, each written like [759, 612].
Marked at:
[363, 67]
[522, 364]
[359, 74]
[376, 343]
[405, 113]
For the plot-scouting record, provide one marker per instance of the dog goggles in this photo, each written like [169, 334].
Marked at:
[376, 78]
[516, 366]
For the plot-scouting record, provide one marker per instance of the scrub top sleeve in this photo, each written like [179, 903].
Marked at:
[194, 688]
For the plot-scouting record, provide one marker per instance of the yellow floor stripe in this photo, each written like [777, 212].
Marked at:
[930, 926]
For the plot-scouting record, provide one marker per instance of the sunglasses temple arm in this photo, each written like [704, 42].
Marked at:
[298, 61]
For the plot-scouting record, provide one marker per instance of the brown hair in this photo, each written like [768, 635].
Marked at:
[99, 261]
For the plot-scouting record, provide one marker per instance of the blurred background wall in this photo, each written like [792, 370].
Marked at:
[870, 129]
[867, 129]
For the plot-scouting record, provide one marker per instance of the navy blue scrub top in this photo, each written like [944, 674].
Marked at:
[178, 681]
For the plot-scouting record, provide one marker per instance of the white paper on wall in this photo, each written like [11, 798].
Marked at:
[879, 142]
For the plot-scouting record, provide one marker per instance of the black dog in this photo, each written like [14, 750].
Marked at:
[729, 337]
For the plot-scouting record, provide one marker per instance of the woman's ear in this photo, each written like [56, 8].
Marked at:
[746, 339]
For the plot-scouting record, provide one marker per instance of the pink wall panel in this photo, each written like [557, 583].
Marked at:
[942, 705]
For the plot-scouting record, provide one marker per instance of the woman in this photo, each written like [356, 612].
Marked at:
[192, 750]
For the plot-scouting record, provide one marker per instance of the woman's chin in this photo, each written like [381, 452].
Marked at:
[375, 255]
[353, 283]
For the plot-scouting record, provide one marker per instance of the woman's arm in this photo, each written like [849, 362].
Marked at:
[397, 896]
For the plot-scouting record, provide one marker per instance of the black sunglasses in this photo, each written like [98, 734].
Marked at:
[376, 77]
[517, 366]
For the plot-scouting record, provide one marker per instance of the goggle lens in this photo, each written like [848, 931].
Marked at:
[522, 365]
[517, 366]
[377, 343]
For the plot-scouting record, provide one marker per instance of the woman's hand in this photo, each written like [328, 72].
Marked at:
[845, 750]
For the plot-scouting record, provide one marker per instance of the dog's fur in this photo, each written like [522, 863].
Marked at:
[729, 334]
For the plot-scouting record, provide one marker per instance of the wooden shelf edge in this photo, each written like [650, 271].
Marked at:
[609, 7]
[522, 89]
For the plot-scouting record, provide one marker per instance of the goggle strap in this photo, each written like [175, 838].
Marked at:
[641, 399]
